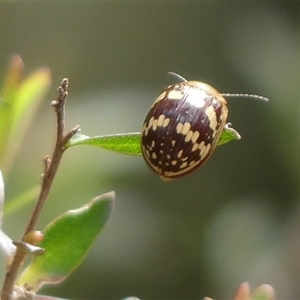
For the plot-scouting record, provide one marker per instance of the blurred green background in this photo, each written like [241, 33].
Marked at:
[236, 219]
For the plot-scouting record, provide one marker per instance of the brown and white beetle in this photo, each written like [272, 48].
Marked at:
[183, 127]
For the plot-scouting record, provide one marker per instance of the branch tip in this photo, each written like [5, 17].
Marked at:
[54, 103]
[76, 129]
[65, 82]
[47, 162]
[71, 134]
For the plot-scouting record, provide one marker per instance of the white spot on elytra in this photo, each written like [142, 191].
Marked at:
[154, 126]
[166, 122]
[145, 130]
[202, 150]
[196, 97]
[191, 163]
[206, 151]
[211, 114]
[179, 153]
[179, 127]
[150, 122]
[183, 165]
[195, 136]
[175, 95]
[201, 145]
[160, 97]
[186, 127]
[189, 135]
[195, 147]
[160, 121]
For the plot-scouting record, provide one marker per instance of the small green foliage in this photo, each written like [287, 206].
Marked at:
[227, 135]
[130, 143]
[66, 242]
[126, 143]
[19, 99]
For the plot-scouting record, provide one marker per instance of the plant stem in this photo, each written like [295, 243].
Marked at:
[50, 169]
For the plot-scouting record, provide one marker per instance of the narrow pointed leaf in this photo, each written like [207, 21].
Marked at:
[7, 98]
[31, 92]
[66, 242]
[13, 80]
[18, 102]
[126, 143]
[130, 143]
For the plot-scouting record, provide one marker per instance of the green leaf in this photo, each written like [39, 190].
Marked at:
[227, 135]
[126, 143]
[19, 100]
[30, 93]
[66, 242]
[13, 79]
[7, 97]
[130, 143]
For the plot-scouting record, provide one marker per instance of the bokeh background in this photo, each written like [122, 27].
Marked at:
[237, 218]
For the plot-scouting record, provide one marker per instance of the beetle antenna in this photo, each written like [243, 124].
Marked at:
[177, 76]
[245, 96]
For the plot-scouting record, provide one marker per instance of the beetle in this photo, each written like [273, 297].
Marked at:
[183, 126]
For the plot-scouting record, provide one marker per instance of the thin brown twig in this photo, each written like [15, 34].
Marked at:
[50, 169]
